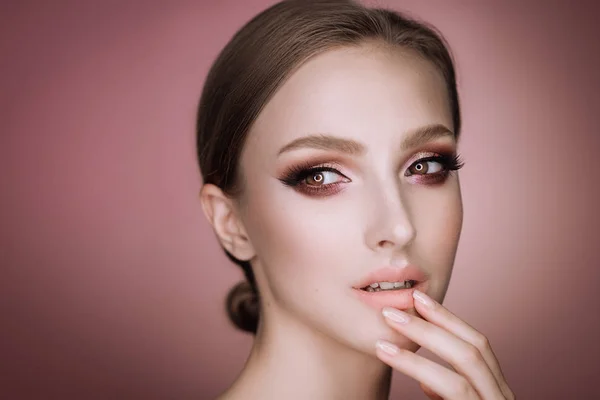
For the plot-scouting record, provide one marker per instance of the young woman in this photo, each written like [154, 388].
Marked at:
[327, 140]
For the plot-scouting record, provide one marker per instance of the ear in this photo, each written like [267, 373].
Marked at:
[221, 213]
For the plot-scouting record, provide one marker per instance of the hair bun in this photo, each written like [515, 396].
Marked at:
[242, 307]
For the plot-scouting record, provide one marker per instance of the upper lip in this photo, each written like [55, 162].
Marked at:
[392, 274]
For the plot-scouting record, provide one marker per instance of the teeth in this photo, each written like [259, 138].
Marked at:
[386, 285]
[379, 286]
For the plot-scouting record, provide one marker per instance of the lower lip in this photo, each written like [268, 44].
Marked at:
[401, 299]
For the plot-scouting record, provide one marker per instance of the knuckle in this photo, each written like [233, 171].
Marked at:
[481, 342]
[461, 388]
[472, 355]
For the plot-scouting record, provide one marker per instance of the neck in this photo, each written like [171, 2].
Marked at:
[290, 360]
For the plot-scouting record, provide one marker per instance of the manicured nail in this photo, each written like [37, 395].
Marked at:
[387, 347]
[423, 298]
[395, 315]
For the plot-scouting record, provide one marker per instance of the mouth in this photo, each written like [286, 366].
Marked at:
[391, 278]
[389, 286]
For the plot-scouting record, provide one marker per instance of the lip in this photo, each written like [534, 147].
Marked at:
[401, 299]
[392, 274]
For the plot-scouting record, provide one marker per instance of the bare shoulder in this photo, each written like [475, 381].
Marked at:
[229, 394]
[224, 396]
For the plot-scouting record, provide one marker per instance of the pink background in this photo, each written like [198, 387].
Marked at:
[112, 280]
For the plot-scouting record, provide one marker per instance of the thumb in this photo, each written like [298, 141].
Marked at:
[430, 393]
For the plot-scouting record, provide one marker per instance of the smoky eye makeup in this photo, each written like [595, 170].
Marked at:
[310, 177]
[324, 179]
[425, 171]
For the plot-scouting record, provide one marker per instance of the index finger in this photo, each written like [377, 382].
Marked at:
[439, 315]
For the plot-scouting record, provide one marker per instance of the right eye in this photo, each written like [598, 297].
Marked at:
[318, 181]
[319, 176]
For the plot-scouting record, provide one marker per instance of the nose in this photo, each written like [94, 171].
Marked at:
[390, 225]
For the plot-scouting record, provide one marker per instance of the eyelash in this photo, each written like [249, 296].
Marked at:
[295, 175]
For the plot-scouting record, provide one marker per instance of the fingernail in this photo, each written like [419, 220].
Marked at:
[422, 298]
[387, 347]
[395, 315]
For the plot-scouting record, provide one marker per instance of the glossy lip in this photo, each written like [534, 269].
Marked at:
[392, 274]
[401, 299]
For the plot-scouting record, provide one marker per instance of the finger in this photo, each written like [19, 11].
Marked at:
[443, 382]
[430, 393]
[442, 317]
[463, 356]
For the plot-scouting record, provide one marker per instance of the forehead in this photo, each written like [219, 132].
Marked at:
[370, 94]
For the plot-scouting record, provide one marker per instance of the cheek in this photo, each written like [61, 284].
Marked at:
[297, 242]
[439, 218]
[438, 227]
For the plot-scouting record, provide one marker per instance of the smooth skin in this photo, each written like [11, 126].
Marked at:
[316, 340]
[477, 373]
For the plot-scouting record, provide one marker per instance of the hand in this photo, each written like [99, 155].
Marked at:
[476, 374]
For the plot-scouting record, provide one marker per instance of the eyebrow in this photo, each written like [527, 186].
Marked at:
[415, 138]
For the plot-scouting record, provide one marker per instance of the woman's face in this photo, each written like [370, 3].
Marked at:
[317, 235]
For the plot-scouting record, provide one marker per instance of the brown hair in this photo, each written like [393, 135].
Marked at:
[255, 63]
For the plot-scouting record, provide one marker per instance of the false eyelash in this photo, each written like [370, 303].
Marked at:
[297, 173]
[451, 162]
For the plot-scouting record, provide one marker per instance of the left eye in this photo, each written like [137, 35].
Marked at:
[425, 167]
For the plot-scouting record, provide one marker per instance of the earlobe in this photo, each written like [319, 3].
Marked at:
[221, 214]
